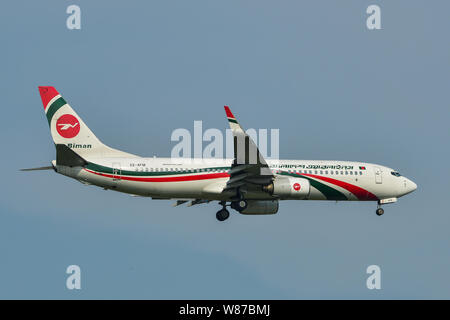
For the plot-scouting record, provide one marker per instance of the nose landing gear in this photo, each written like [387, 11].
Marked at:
[379, 210]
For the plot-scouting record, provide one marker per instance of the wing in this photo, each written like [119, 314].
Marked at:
[249, 170]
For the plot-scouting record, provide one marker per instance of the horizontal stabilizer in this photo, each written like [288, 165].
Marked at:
[39, 168]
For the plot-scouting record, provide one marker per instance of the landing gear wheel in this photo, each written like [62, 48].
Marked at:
[222, 215]
[379, 211]
[241, 205]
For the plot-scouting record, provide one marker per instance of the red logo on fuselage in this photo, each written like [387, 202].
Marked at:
[296, 186]
[68, 126]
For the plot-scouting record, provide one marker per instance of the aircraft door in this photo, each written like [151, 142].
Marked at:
[378, 176]
[116, 171]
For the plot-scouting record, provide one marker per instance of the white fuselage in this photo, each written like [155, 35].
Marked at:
[183, 178]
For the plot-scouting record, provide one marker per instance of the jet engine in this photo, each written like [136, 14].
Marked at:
[260, 207]
[289, 188]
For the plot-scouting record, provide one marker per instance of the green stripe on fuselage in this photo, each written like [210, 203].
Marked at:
[103, 169]
[329, 192]
[58, 103]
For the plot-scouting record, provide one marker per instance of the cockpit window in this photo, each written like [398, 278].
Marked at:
[395, 173]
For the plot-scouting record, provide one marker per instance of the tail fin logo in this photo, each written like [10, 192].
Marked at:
[68, 126]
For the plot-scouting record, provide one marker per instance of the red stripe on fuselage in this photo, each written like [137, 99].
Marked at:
[360, 193]
[165, 179]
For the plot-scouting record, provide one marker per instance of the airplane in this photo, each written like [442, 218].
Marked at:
[248, 183]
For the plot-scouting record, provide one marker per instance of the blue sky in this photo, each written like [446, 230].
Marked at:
[138, 70]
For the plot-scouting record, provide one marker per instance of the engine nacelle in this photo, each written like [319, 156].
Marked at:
[289, 188]
[261, 207]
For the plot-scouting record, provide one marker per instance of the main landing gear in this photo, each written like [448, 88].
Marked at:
[223, 213]
[239, 205]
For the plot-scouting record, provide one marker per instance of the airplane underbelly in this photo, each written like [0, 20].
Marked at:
[175, 189]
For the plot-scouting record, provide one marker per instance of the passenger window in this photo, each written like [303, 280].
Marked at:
[351, 173]
[346, 173]
[326, 171]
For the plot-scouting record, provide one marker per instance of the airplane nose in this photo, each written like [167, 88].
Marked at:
[410, 186]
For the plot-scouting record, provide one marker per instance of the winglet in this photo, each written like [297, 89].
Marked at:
[231, 119]
[228, 112]
[247, 157]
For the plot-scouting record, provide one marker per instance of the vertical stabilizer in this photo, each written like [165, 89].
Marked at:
[67, 127]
